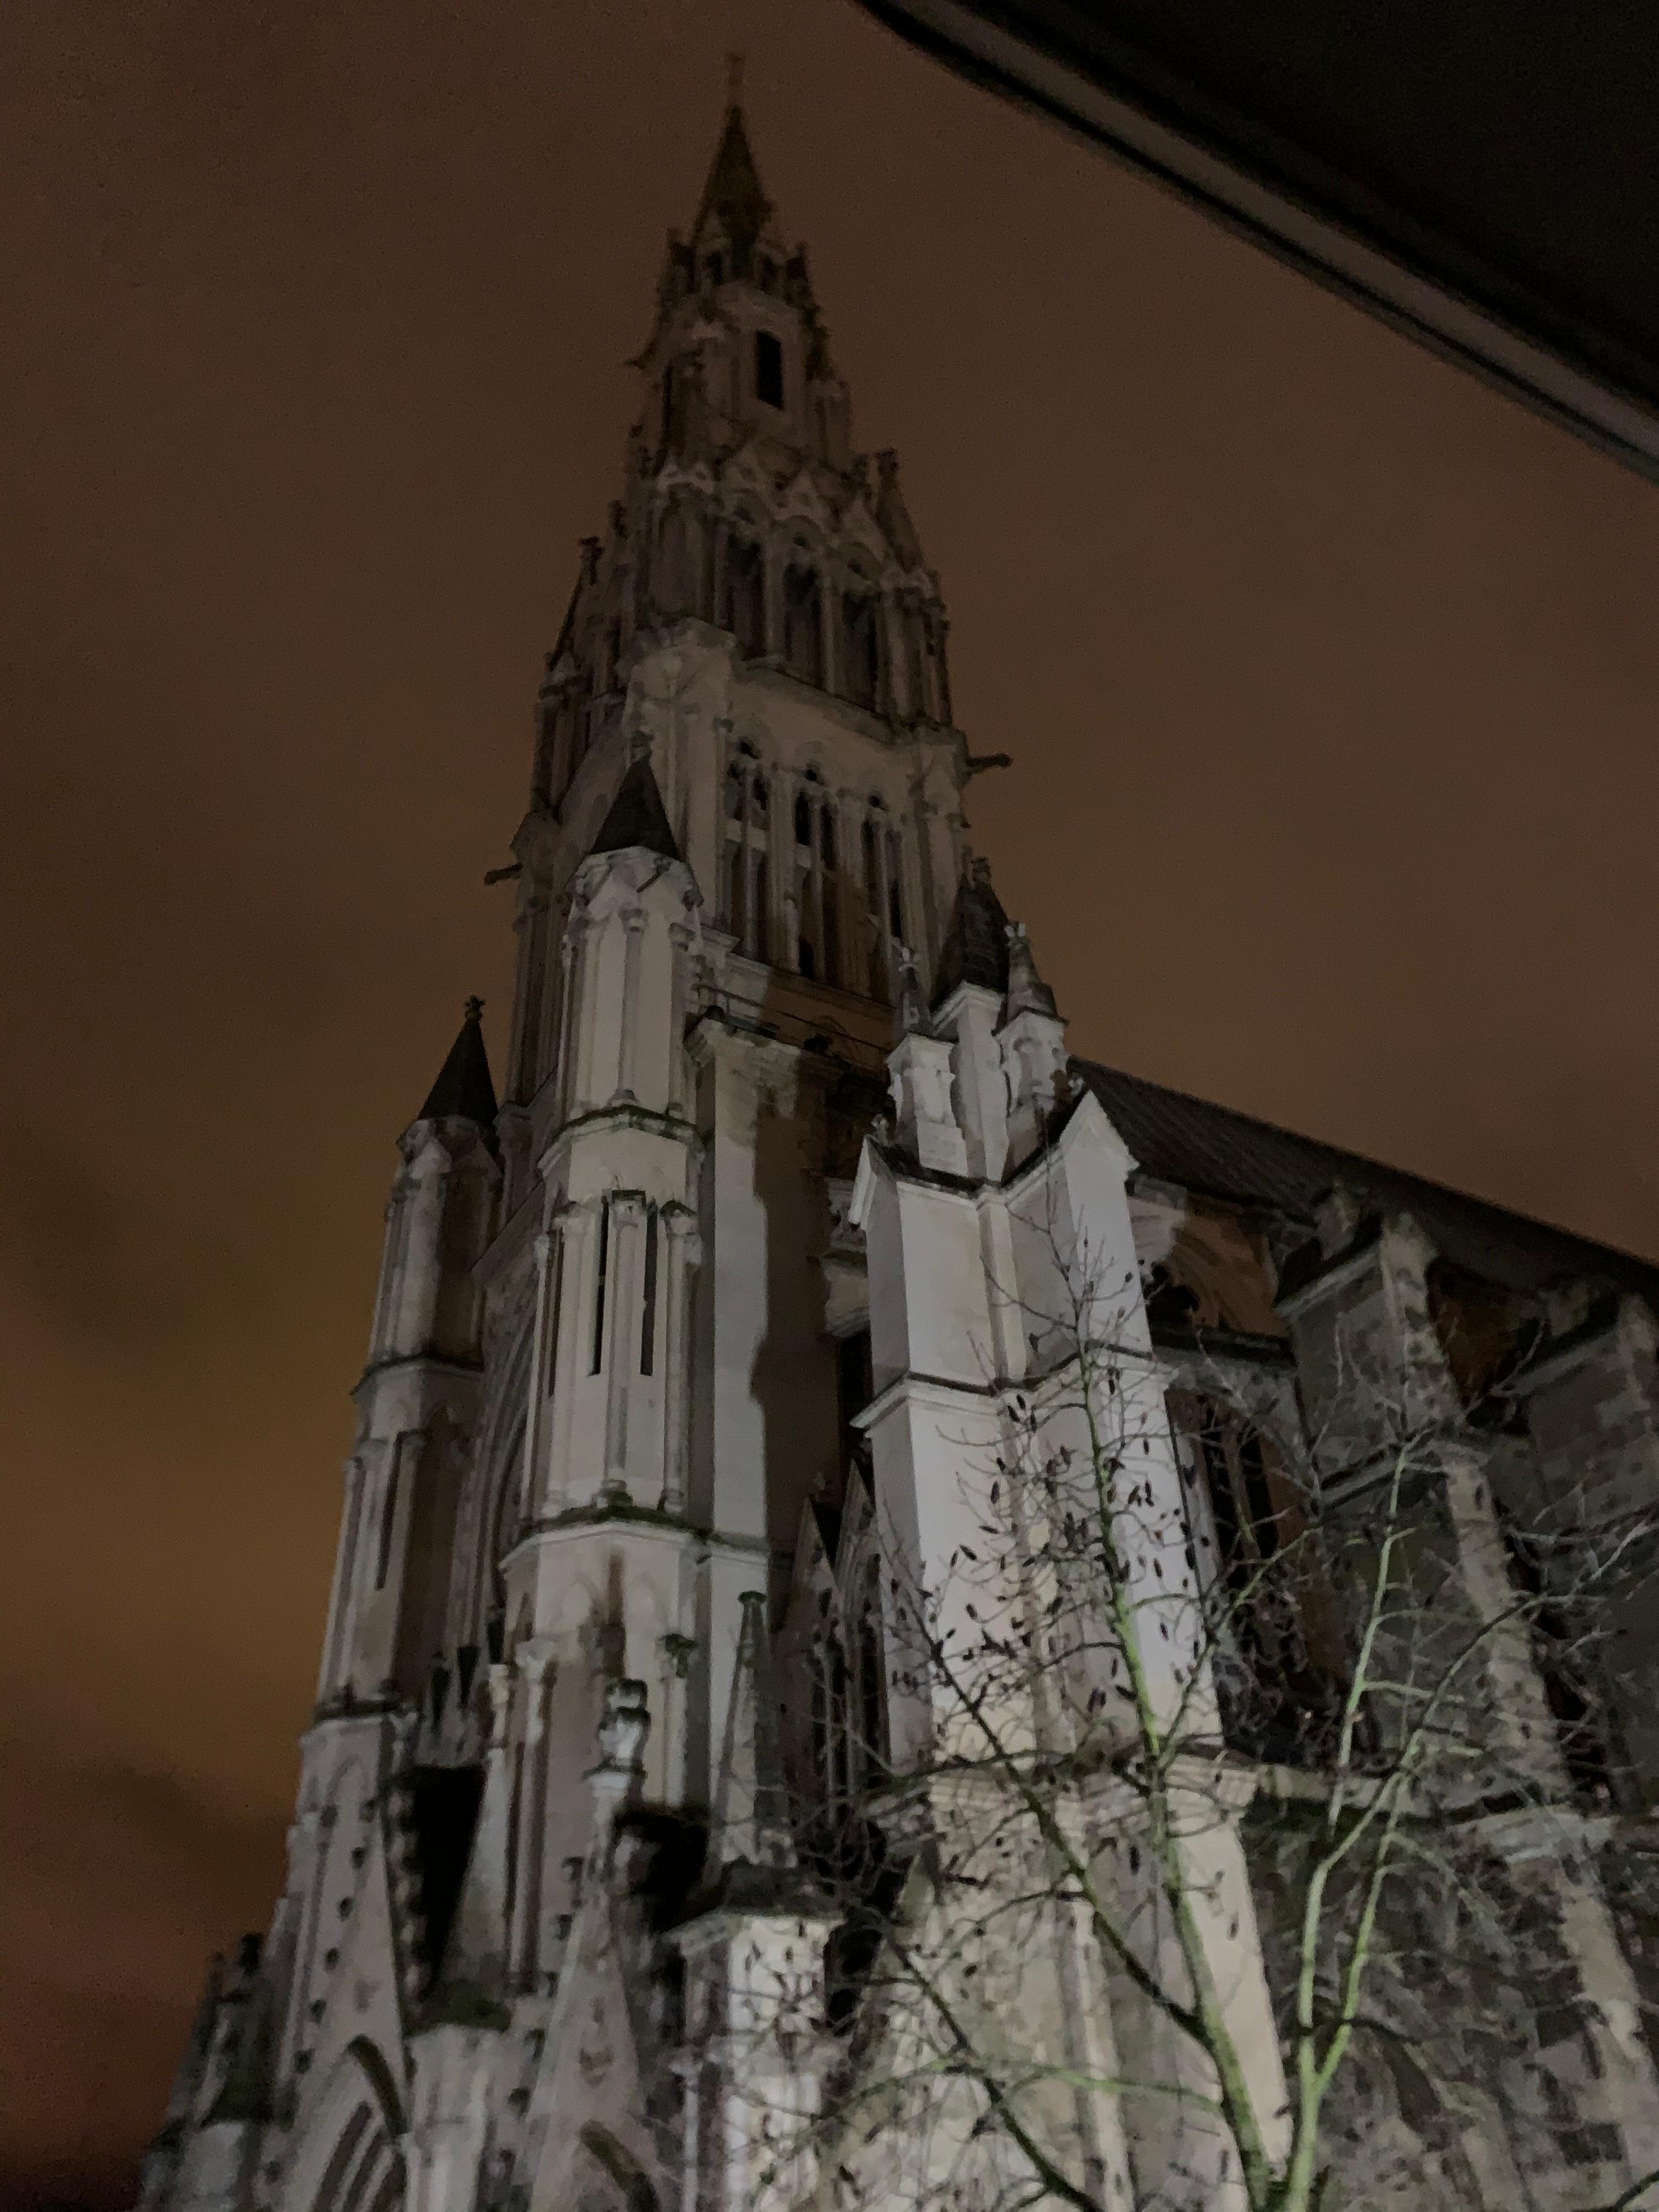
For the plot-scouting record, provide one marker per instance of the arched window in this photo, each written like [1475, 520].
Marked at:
[803, 819]
[768, 369]
[860, 666]
[744, 611]
[802, 640]
[758, 941]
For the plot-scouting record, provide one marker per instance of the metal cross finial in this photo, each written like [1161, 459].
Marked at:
[733, 80]
[474, 1009]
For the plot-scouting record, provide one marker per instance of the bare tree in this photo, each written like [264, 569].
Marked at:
[1177, 1863]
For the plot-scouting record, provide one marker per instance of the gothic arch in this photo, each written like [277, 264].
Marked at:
[349, 2158]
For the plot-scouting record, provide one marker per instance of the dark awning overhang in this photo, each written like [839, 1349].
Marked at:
[1481, 178]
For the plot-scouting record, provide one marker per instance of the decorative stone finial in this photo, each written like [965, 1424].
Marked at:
[624, 1727]
[474, 1010]
[1027, 992]
[912, 1008]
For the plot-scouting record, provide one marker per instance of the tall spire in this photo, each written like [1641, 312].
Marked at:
[732, 195]
[463, 1090]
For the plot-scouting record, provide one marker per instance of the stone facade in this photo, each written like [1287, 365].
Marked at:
[790, 1142]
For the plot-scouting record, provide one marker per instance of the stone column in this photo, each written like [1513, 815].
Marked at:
[572, 1317]
[722, 539]
[634, 922]
[772, 561]
[584, 1094]
[337, 1643]
[884, 907]
[536, 1657]
[829, 629]
[567, 1007]
[550, 1012]
[778, 942]
[913, 907]
[684, 1256]
[521, 1050]
[854, 902]
[682, 937]
[814, 882]
[545, 1251]
[887, 690]
[621, 1362]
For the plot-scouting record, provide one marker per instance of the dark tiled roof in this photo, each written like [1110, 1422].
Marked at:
[1210, 1149]
[463, 1090]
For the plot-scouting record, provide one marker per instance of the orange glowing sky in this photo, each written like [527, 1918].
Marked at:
[1329, 675]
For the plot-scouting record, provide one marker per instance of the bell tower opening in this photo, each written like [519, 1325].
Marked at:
[768, 369]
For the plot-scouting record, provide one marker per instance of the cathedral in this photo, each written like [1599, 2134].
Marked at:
[682, 1335]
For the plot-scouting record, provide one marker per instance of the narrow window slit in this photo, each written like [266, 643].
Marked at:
[600, 1272]
[648, 1323]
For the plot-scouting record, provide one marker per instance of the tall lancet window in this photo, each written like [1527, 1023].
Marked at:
[747, 889]
[768, 369]
[679, 560]
[859, 667]
[872, 1729]
[803, 642]
[745, 611]
[880, 966]
[828, 895]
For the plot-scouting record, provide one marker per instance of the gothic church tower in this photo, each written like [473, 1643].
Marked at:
[622, 1331]
[683, 1352]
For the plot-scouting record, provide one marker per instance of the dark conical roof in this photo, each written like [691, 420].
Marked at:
[1027, 992]
[637, 815]
[975, 949]
[732, 194]
[463, 1090]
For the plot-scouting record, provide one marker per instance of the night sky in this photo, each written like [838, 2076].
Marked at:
[1329, 675]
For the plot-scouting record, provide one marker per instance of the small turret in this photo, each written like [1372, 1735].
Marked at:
[1032, 1041]
[443, 1210]
[385, 1619]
